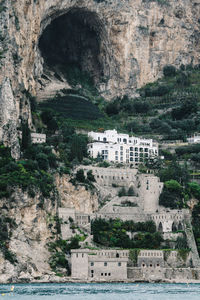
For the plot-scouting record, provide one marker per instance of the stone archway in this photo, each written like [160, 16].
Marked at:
[174, 227]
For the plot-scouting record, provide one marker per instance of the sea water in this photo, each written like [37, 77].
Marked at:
[100, 291]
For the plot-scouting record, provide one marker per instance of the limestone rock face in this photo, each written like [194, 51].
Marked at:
[134, 40]
[29, 237]
[78, 197]
[8, 119]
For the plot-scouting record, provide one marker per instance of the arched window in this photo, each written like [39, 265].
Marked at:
[174, 228]
[160, 227]
[180, 226]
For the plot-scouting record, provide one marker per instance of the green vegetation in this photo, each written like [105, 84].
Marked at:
[58, 260]
[113, 233]
[168, 107]
[130, 192]
[28, 174]
[7, 224]
[73, 107]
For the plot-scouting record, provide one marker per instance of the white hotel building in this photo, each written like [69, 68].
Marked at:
[122, 148]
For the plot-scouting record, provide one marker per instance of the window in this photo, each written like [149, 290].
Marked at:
[121, 147]
[146, 150]
[121, 158]
[98, 138]
[136, 149]
[82, 255]
[101, 274]
[136, 154]
[76, 254]
[136, 159]
[105, 264]
[131, 148]
[121, 153]
[105, 274]
[92, 264]
[141, 154]
[131, 153]
[109, 274]
[116, 157]
[131, 158]
[116, 152]
[141, 149]
[125, 141]
[119, 264]
[92, 271]
[104, 139]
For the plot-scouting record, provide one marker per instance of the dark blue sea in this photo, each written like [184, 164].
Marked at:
[100, 291]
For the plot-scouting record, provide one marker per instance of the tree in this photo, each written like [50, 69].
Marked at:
[122, 192]
[131, 191]
[26, 136]
[169, 71]
[90, 176]
[42, 160]
[173, 186]
[78, 147]
[80, 176]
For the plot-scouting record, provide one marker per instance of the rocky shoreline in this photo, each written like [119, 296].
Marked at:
[57, 279]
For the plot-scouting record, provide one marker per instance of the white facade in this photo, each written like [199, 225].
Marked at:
[38, 138]
[121, 148]
[194, 139]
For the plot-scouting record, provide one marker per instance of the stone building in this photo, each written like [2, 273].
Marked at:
[116, 265]
[38, 138]
[117, 147]
[151, 258]
[99, 264]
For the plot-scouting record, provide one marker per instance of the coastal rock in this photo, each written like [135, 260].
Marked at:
[85, 201]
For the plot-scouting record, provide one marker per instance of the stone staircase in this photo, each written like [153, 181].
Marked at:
[191, 242]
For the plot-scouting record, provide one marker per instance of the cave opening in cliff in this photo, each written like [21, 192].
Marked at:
[73, 44]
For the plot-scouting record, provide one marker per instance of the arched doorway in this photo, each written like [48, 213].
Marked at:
[160, 227]
[174, 227]
[180, 226]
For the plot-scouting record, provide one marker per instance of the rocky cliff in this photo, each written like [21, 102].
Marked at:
[29, 224]
[122, 44]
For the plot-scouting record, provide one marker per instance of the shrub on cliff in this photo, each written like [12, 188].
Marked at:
[169, 71]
